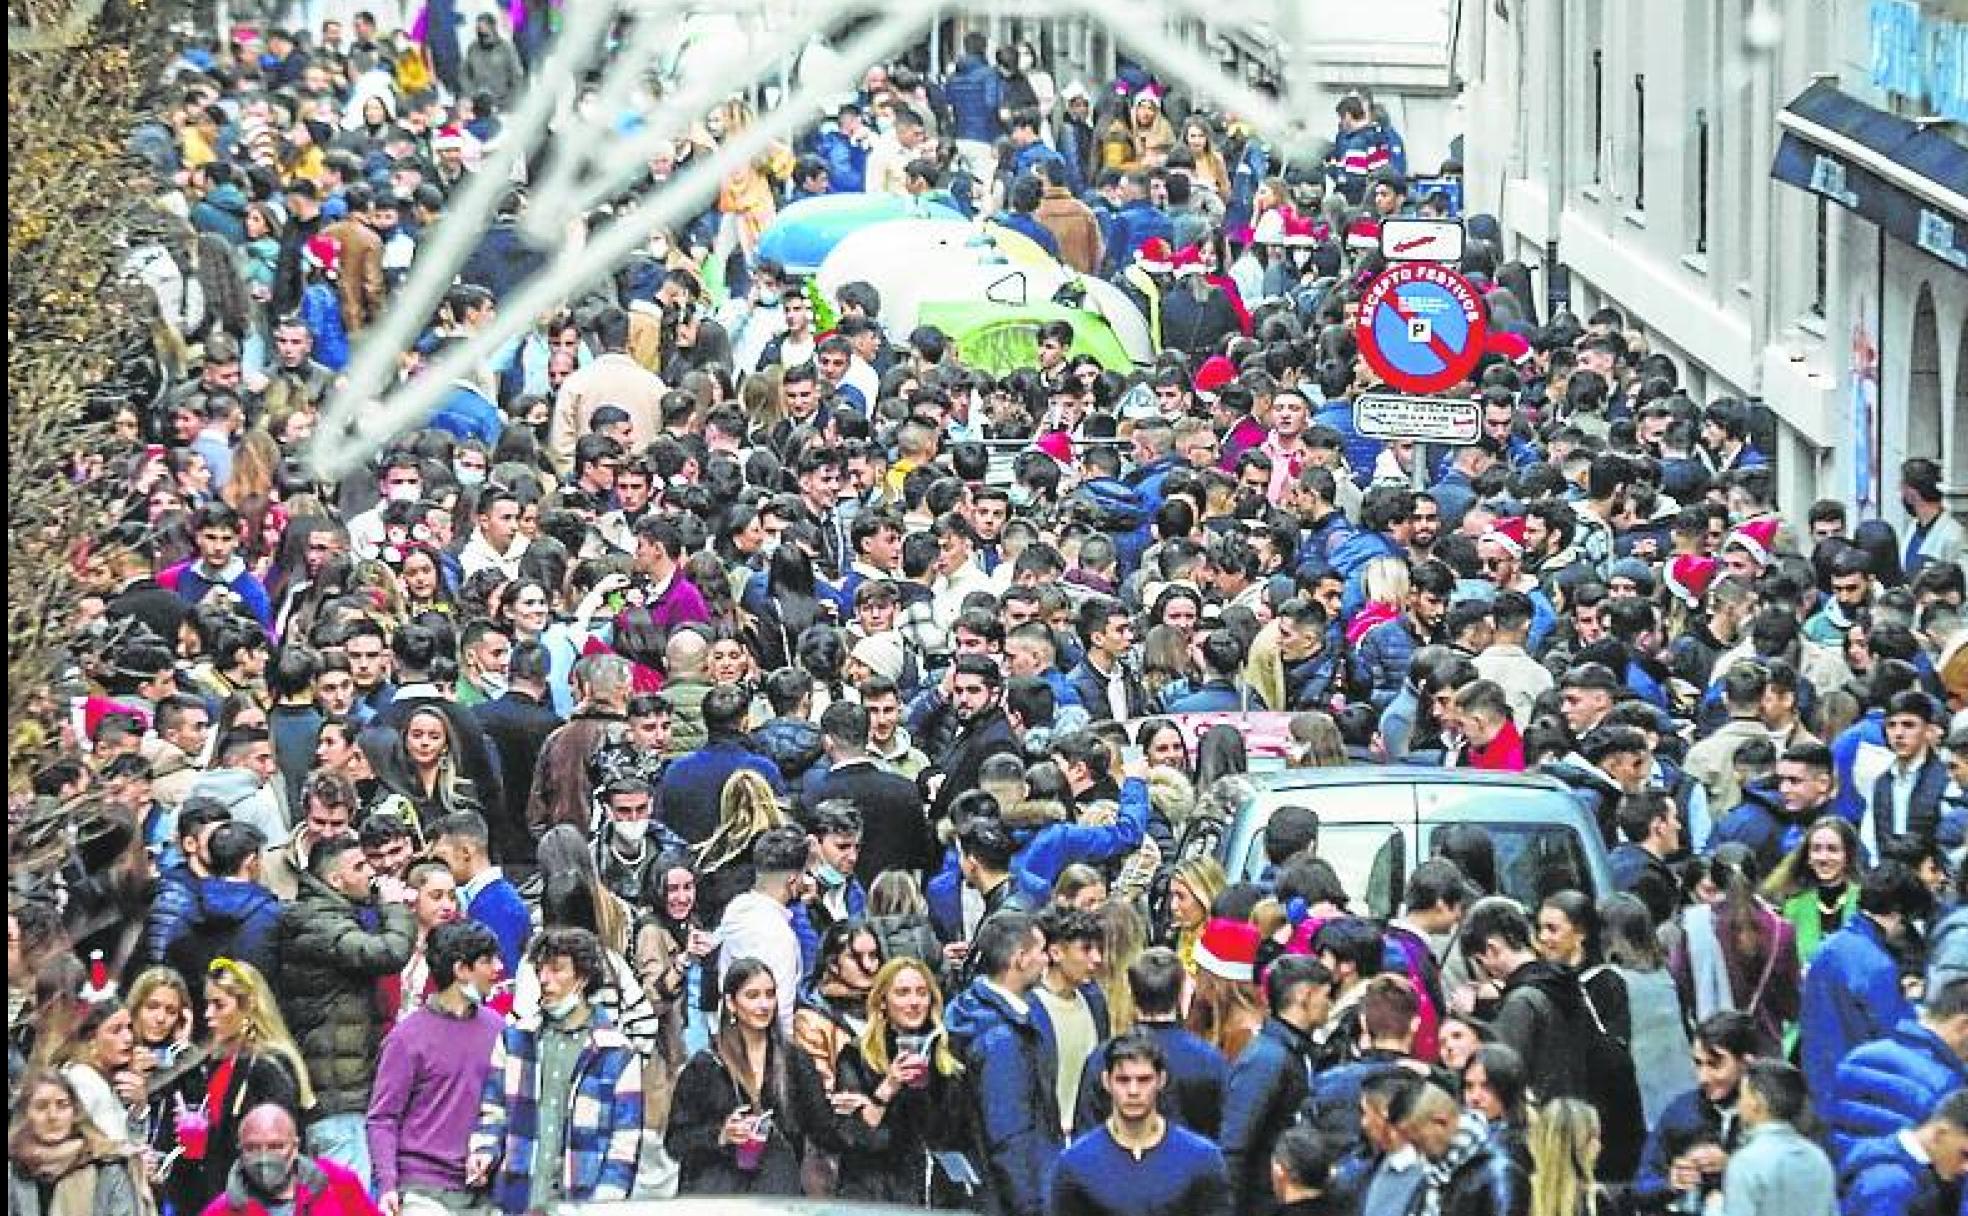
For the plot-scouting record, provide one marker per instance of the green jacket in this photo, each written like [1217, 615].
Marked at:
[1801, 910]
[330, 966]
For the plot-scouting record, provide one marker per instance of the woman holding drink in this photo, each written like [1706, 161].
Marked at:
[746, 1106]
[911, 1139]
[248, 1059]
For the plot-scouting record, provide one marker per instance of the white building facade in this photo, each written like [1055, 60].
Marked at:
[1631, 142]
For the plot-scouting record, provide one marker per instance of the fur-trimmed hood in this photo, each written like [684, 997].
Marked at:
[1171, 794]
[1035, 813]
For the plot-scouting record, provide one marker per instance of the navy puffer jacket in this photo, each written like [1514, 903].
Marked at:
[975, 92]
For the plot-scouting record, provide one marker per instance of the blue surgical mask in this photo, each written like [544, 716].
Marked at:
[827, 876]
[467, 476]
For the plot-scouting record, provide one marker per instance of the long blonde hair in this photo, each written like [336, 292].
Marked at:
[874, 1040]
[265, 1031]
[1123, 936]
[1564, 1143]
[450, 788]
[746, 810]
[1206, 880]
[1387, 582]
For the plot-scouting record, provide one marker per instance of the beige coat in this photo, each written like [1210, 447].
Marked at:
[612, 379]
[1713, 763]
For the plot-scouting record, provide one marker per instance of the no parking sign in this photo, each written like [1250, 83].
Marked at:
[1421, 327]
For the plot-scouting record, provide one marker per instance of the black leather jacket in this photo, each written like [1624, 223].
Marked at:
[1488, 1184]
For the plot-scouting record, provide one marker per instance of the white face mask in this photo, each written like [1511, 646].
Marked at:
[559, 1010]
[631, 831]
[403, 493]
[492, 684]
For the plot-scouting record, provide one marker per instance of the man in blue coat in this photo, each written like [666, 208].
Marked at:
[975, 93]
[1916, 1172]
[1889, 1085]
[1271, 1079]
[1386, 519]
[999, 1029]
[844, 148]
[1852, 994]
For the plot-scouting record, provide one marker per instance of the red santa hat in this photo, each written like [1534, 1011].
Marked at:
[1756, 537]
[1155, 256]
[1228, 950]
[1300, 230]
[449, 138]
[1688, 577]
[1363, 233]
[1058, 445]
[323, 253]
[1509, 533]
[1216, 371]
[1514, 347]
[1188, 261]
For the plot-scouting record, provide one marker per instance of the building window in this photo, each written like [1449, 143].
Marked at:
[1598, 114]
[1701, 180]
[1640, 142]
[1821, 271]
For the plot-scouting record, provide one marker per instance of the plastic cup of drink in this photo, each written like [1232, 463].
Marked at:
[194, 1133]
[916, 1045]
[751, 1150]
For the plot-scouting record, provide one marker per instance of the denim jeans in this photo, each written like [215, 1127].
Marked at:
[343, 1140]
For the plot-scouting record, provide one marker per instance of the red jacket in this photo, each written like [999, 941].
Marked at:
[321, 1188]
[1505, 754]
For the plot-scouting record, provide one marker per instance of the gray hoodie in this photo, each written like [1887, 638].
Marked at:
[250, 801]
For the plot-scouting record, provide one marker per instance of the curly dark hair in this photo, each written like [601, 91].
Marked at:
[577, 946]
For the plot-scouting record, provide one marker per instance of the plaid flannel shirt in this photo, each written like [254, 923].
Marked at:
[604, 1115]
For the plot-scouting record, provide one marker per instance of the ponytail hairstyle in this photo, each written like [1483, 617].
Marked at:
[1731, 869]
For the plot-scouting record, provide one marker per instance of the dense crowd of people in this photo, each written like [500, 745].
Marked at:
[689, 764]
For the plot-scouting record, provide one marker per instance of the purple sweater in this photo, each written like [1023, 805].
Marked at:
[425, 1101]
[679, 604]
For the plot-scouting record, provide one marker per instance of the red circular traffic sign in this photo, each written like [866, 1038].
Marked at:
[1422, 327]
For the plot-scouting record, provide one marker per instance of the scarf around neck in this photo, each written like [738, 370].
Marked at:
[1471, 1135]
[51, 1162]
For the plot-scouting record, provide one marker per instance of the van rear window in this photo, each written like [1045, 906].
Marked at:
[1535, 859]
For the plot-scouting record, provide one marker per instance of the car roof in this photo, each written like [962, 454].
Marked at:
[1395, 774]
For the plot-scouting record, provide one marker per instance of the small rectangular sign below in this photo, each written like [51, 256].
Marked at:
[1405, 239]
[1427, 419]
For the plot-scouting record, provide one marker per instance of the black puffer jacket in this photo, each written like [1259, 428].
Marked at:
[333, 952]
